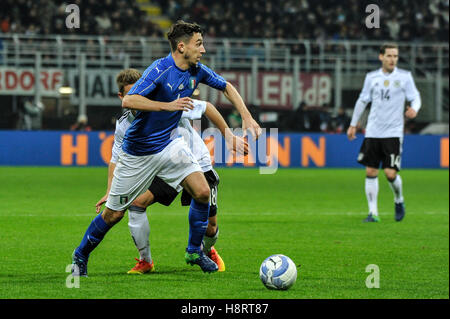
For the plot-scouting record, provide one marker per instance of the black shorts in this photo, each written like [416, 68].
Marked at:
[213, 180]
[387, 151]
[164, 194]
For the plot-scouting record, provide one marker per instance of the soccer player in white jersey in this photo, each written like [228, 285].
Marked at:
[387, 89]
[151, 149]
[161, 192]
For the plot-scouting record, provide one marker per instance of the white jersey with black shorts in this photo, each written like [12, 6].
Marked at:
[387, 93]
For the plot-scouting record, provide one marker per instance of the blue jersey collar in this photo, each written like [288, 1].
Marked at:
[172, 62]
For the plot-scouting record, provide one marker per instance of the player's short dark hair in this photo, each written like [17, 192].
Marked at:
[385, 46]
[127, 77]
[182, 31]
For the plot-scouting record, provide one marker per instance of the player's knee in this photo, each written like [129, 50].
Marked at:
[112, 217]
[144, 200]
[391, 176]
[371, 172]
[202, 195]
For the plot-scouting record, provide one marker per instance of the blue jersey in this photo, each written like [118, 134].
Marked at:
[163, 81]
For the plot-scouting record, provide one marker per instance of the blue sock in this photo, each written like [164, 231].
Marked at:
[93, 236]
[198, 222]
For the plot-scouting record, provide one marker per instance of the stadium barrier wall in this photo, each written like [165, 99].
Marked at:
[66, 148]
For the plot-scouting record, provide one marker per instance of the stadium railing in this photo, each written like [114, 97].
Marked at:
[346, 60]
[356, 56]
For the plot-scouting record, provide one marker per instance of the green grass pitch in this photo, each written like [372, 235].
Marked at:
[313, 216]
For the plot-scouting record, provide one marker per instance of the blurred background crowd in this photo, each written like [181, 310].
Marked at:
[402, 21]
[291, 19]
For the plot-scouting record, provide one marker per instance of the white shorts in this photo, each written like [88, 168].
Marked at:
[133, 175]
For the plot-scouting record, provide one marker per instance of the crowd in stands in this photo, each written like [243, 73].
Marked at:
[311, 19]
[108, 17]
[400, 20]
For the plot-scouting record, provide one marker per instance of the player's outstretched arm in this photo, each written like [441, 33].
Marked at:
[234, 143]
[248, 122]
[111, 168]
[141, 103]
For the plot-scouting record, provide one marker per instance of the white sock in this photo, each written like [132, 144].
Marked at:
[397, 189]
[372, 194]
[208, 242]
[140, 231]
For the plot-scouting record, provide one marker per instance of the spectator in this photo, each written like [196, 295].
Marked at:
[30, 117]
[341, 121]
[81, 124]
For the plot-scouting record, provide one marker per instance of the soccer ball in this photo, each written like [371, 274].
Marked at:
[278, 272]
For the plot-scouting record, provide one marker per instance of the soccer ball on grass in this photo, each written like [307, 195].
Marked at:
[278, 272]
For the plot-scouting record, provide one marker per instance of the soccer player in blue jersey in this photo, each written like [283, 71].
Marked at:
[152, 147]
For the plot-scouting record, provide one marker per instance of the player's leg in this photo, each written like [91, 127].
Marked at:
[181, 170]
[94, 234]
[196, 185]
[396, 184]
[158, 192]
[211, 234]
[369, 157]
[132, 176]
[140, 232]
[212, 231]
[371, 188]
[391, 166]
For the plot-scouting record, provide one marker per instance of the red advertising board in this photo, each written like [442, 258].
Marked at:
[274, 89]
[15, 81]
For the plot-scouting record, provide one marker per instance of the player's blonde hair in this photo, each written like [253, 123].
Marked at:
[127, 77]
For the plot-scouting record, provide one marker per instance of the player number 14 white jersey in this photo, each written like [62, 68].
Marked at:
[387, 93]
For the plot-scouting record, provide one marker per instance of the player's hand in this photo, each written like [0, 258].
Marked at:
[410, 113]
[351, 133]
[236, 144]
[99, 204]
[181, 104]
[251, 125]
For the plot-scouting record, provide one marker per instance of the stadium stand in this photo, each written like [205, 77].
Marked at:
[305, 19]
[322, 34]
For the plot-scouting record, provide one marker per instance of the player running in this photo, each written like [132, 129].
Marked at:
[387, 89]
[159, 191]
[151, 149]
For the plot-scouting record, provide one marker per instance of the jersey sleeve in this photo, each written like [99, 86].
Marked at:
[364, 98]
[197, 112]
[118, 140]
[121, 128]
[148, 81]
[212, 79]
[411, 93]
[365, 94]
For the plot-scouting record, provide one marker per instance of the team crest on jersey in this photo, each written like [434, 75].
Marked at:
[181, 86]
[192, 82]
[397, 84]
[386, 83]
[123, 199]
